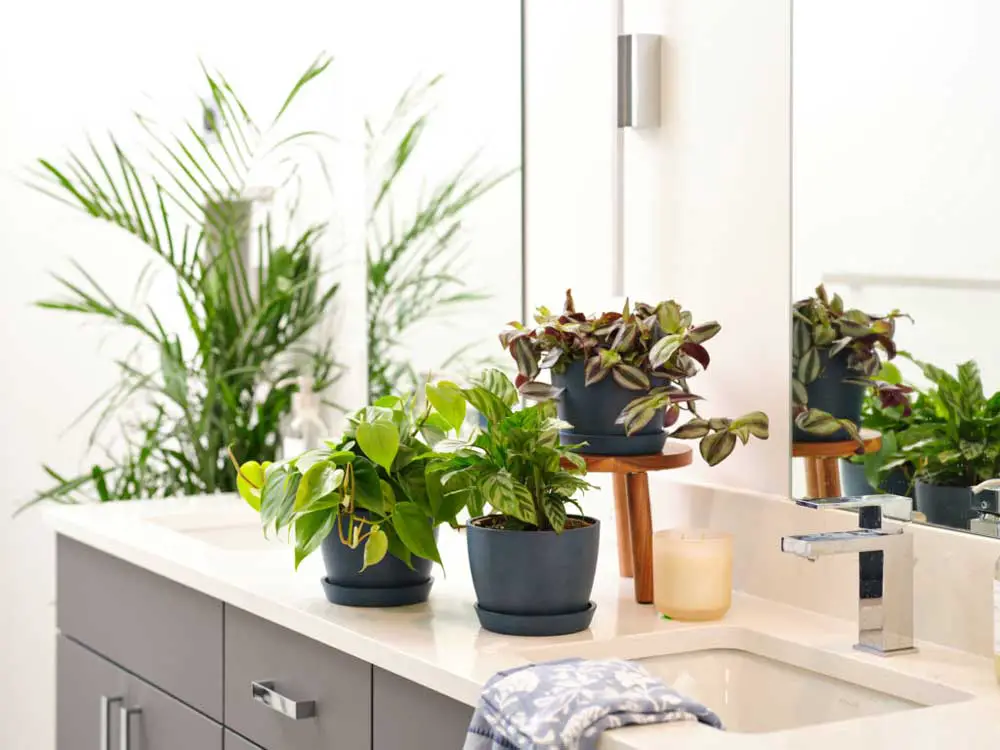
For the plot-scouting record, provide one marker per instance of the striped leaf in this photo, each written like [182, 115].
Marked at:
[509, 496]
[800, 396]
[626, 337]
[555, 511]
[716, 448]
[638, 419]
[663, 350]
[692, 430]
[756, 422]
[630, 377]
[540, 391]
[810, 366]
[668, 315]
[595, 371]
[524, 354]
[801, 337]
[818, 422]
[701, 334]
[497, 383]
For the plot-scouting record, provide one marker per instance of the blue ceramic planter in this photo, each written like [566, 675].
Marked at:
[533, 582]
[831, 394]
[854, 483]
[953, 507]
[592, 410]
[390, 583]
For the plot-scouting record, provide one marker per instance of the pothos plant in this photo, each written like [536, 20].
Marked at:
[653, 350]
[822, 329]
[373, 487]
[516, 465]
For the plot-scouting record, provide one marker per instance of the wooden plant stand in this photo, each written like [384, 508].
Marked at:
[632, 512]
[822, 471]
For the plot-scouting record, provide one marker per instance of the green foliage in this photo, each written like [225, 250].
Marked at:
[516, 466]
[376, 486]
[249, 299]
[822, 328]
[953, 434]
[414, 263]
[651, 350]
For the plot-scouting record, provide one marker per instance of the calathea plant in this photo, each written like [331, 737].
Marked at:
[651, 351]
[833, 347]
[373, 487]
[516, 465]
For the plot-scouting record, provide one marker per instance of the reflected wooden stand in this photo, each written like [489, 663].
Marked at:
[822, 470]
[633, 516]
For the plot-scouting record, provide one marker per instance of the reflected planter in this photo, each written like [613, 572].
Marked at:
[593, 411]
[389, 583]
[853, 481]
[954, 507]
[533, 582]
[831, 394]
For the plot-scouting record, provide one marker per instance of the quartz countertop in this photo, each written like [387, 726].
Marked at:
[212, 544]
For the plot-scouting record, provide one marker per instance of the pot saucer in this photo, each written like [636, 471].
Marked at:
[535, 625]
[616, 445]
[357, 596]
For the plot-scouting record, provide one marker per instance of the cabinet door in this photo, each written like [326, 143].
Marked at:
[161, 723]
[406, 714]
[233, 741]
[83, 678]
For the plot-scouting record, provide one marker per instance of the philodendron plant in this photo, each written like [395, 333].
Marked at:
[823, 328]
[652, 350]
[373, 487]
[515, 465]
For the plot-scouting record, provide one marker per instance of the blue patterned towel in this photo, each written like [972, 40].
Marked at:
[566, 704]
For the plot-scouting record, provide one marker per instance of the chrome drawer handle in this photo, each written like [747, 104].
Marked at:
[125, 726]
[263, 692]
[106, 704]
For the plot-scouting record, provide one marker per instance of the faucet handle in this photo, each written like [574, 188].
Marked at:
[869, 507]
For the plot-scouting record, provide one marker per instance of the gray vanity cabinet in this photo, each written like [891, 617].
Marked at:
[208, 676]
[407, 715]
[91, 694]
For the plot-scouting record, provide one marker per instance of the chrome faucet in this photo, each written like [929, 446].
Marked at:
[885, 568]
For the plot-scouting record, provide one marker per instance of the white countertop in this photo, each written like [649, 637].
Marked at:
[440, 644]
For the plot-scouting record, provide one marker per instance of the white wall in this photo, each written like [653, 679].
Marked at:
[87, 75]
[706, 194]
[896, 163]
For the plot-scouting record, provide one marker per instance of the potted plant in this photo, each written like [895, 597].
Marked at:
[369, 500]
[621, 378]
[835, 353]
[886, 470]
[957, 450]
[532, 563]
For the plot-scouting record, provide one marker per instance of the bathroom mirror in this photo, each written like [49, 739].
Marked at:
[896, 184]
[444, 235]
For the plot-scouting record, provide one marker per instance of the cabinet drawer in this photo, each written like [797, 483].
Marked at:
[232, 741]
[168, 634]
[300, 669]
[400, 715]
[163, 724]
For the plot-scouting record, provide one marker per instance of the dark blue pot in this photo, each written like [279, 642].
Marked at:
[390, 583]
[831, 394]
[592, 410]
[953, 507]
[533, 574]
[853, 481]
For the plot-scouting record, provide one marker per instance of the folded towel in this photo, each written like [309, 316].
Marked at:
[566, 704]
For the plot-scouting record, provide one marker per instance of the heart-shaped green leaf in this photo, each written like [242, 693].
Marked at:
[376, 546]
[447, 398]
[415, 531]
[250, 482]
[379, 440]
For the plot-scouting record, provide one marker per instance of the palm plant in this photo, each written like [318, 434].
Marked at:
[414, 264]
[249, 293]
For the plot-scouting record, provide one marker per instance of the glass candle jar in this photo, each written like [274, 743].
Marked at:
[692, 573]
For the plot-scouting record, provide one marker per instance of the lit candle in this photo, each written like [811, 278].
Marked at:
[692, 573]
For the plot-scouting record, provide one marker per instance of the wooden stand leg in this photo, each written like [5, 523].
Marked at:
[621, 524]
[822, 477]
[641, 527]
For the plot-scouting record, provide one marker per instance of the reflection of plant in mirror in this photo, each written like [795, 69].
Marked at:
[516, 465]
[954, 439]
[414, 264]
[375, 486]
[651, 350]
[228, 375]
[823, 329]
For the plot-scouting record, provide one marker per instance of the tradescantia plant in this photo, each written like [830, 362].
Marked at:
[373, 487]
[652, 350]
[515, 465]
[823, 328]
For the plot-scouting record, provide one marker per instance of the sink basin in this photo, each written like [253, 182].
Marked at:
[758, 683]
[752, 693]
[236, 530]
